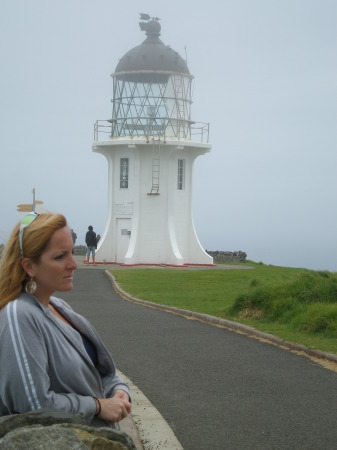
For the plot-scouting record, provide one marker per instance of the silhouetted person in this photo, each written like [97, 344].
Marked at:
[91, 241]
[74, 236]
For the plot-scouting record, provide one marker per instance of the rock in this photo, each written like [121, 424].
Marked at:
[43, 417]
[49, 430]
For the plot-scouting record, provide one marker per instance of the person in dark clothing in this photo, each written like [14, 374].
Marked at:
[73, 235]
[91, 241]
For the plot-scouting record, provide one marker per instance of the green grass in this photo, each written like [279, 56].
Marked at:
[297, 305]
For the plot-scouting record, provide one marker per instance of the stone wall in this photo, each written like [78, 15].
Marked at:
[218, 255]
[54, 430]
[80, 250]
[221, 256]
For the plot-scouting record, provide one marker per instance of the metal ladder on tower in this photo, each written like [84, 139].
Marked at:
[155, 166]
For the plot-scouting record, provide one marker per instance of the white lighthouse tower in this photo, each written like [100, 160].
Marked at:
[151, 144]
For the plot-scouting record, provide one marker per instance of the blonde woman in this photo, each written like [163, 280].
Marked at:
[50, 356]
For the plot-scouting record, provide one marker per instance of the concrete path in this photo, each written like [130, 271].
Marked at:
[216, 389]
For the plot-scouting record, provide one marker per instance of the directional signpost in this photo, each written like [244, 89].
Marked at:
[28, 207]
[25, 208]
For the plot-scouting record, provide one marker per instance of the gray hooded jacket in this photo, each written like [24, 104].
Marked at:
[44, 364]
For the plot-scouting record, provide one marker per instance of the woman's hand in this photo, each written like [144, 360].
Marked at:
[122, 394]
[116, 408]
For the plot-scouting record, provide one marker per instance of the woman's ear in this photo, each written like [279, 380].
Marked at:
[27, 266]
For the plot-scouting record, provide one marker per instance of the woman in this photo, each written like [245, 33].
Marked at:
[51, 357]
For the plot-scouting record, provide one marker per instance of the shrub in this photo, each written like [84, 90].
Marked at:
[280, 308]
[254, 282]
[318, 318]
[315, 287]
[310, 301]
[257, 298]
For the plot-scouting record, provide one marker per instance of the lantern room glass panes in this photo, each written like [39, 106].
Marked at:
[152, 105]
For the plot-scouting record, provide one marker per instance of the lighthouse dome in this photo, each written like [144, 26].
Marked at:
[152, 55]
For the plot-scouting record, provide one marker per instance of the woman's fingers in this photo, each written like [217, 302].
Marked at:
[114, 409]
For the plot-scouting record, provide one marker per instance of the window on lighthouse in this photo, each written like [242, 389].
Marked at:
[124, 173]
[181, 174]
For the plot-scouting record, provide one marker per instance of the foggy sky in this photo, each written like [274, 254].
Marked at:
[265, 79]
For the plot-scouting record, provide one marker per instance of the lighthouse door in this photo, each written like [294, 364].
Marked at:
[123, 238]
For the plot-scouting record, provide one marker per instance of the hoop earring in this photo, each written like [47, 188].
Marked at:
[30, 287]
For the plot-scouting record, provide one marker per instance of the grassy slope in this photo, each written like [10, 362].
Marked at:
[226, 294]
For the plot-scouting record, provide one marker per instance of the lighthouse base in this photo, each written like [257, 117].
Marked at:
[150, 215]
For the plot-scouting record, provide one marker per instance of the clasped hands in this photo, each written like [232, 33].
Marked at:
[116, 408]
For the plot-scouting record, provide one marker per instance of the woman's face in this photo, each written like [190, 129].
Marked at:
[55, 269]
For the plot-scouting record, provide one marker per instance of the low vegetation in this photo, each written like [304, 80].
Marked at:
[298, 305]
[309, 302]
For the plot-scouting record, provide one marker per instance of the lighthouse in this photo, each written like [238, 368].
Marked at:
[150, 144]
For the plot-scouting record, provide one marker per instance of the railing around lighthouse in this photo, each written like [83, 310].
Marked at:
[132, 128]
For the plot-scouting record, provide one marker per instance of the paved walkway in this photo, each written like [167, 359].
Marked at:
[216, 389]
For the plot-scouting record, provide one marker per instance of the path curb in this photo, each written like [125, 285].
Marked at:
[147, 427]
[224, 323]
